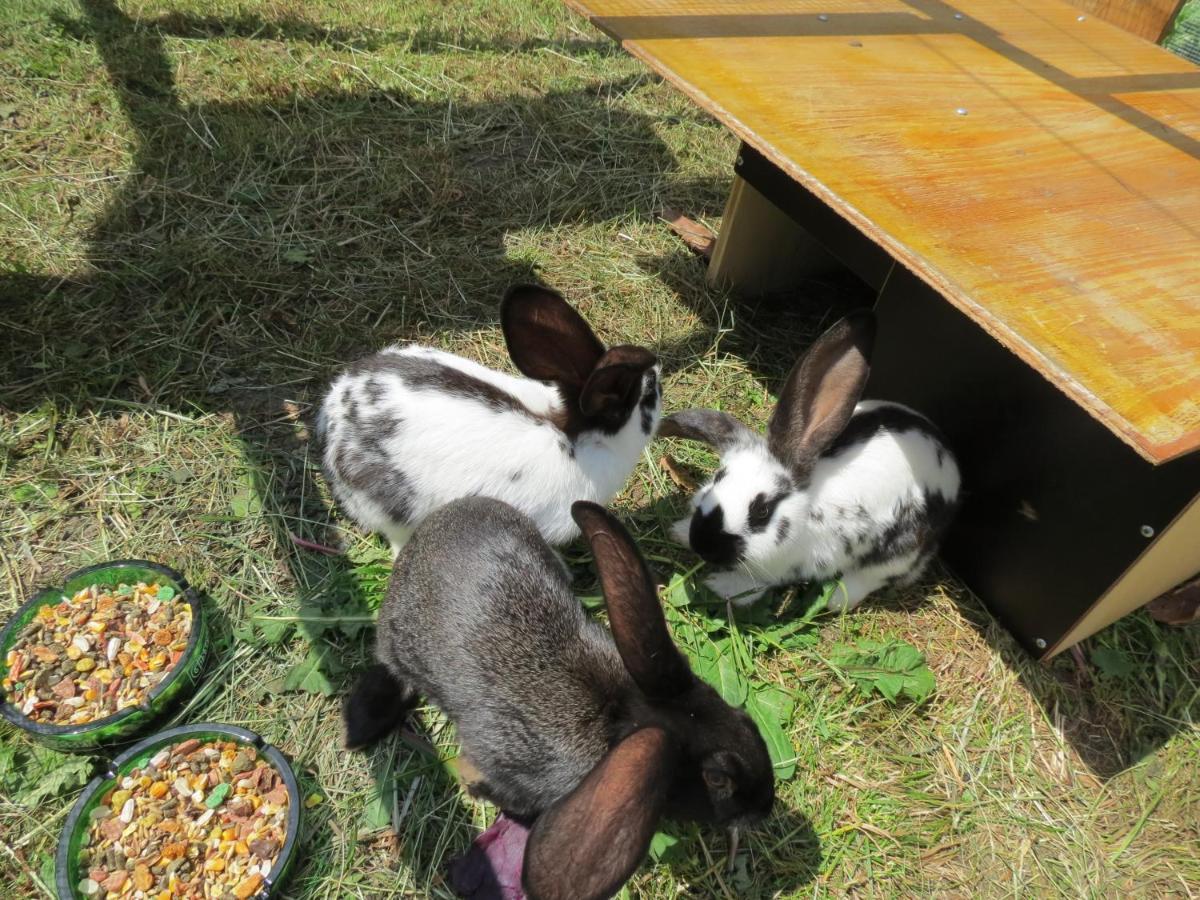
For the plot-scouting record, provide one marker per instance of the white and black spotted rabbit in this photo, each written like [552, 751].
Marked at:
[593, 735]
[837, 487]
[412, 428]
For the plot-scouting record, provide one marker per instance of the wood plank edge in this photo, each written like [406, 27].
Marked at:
[1153, 453]
[1103, 612]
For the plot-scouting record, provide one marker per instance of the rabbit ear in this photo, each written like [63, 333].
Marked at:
[547, 339]
[719, 429]
[616, 380]
[586, 845]
[634, 613]
[818, 397]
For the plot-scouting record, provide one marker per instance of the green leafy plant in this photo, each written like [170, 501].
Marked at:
[665, 847]
[725, 653]
[771, 709]
[716, 663]
[261, 627]
[246, 502]
[1112, 662]
[377, 813]
[893, 668]
[35, 493]
[31, 775]
[312, 673]
[345, 605]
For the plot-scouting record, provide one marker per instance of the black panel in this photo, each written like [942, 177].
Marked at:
[1054, 503]
[843, 241]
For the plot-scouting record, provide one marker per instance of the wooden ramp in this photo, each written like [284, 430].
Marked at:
[1036, 165]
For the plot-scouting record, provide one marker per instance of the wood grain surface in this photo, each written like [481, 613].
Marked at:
[1148, 19]
[1041, 172]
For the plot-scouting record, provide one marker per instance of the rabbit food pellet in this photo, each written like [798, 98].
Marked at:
[198, 820]
[96, 653]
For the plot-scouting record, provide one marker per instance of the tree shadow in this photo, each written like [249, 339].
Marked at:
[928, 18]
[260, 245]
[295, 28]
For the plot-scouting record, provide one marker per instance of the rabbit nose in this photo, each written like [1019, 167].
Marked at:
[712, 542]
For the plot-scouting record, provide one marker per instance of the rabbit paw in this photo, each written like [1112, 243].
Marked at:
[735, 586]
[398, 536]
[679, 531]
[852, 589]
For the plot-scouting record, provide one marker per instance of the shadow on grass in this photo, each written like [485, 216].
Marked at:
[260, 245]
[1137, 690]
[770, 332]
[782, 854]
[795, 856]
[293, 28]
[417, 812]
[776, 858]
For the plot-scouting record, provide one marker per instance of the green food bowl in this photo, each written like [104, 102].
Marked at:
[67, 871]
[122, 725]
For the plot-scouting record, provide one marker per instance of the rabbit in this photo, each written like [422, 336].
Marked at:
[593, 735]
[411, 428]
[861, 489]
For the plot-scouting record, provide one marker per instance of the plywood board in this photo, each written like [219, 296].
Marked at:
[766, 250]
[1147, 19]
[1173, 558]
[1041, 172]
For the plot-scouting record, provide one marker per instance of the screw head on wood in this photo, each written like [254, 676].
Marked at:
[961, 111]
[1147, 531]
[958, 15]
[1040, 643]
[1081, 19]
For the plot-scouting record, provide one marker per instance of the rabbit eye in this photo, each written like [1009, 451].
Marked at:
[719, 783]
[762, 508]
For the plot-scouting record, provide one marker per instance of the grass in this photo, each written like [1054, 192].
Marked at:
[1184, 35]
[207, 207]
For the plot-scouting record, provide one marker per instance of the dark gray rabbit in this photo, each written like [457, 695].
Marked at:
[596, 735]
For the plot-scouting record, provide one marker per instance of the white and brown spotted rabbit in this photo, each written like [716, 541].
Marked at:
[412, 428]
[838, 487]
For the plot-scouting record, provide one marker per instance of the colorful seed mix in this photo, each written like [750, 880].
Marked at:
[96, 653]
[199, 820]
